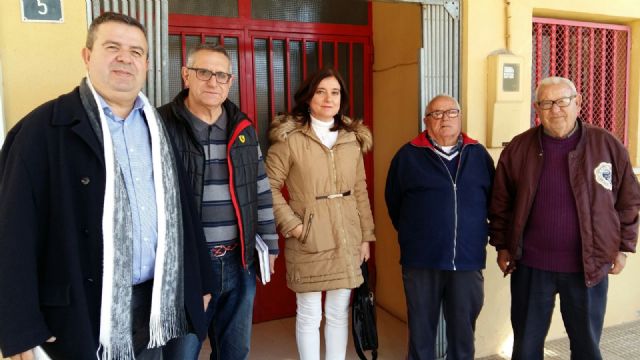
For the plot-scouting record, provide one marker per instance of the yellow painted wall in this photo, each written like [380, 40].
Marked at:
[484, 30]
[397, 38]
[39, 60]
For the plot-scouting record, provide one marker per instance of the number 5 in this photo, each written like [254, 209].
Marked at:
[43, 7]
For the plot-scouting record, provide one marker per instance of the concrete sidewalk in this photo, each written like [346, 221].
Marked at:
[621, 342]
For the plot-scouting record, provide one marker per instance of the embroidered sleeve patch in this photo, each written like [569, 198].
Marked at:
[603, 174]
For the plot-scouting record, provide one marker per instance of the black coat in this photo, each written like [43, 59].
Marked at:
[243, 160]
[52, 180]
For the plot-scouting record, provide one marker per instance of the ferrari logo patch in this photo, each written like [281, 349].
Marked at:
[242, 139]
[604, 175]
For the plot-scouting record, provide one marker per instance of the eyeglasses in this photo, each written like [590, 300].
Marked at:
[206, 75]
[562, 102]
[451, 113]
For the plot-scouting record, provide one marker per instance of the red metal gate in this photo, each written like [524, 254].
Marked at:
[596, 58]
[271, 59]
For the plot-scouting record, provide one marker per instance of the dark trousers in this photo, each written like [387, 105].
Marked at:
[533, 294]
[141, 295]
[461, 295]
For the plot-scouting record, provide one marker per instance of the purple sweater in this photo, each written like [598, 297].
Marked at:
[552, 236]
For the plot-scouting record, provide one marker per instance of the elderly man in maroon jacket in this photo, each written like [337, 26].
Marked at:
[564, 214]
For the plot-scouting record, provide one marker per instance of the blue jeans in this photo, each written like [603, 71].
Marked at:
[230, 313]
[533, 295]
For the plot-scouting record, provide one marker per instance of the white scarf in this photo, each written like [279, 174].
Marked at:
[168, 318]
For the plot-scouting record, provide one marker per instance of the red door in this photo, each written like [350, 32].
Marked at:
[270, 60]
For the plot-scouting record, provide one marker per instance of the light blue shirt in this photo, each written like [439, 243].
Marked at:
[132, 146]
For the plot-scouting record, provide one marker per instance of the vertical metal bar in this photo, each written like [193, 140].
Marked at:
[439, 51]
[141, 18]
[626, 81]
[444, 40]
[591, 75]
[428, 53]
[434, 54]
[456, 56]
[450, 69]
[151, 83]
[96, 8]
[553, 51]
[538, 63]
[125, 7]
[304, 59]
[320, 46]
[287, 74]
[157, 29]
[615, 114]
[164, 41]
[578, 76]
[183, 46]
[566, 53]
[603, 76]
[132, 8]
[89, 15]
[271, 84]
[351, 67]
[445, 52]
[220, 40]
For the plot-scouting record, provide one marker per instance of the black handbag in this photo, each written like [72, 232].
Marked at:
[363, 317]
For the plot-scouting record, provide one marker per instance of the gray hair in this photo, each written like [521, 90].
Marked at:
[555, 80]
[207, 47]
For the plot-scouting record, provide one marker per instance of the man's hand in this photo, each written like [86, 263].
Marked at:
[505, 262]
[272, 263]
[618, 264]
[364, 251]
[205, 300]
[28, 355]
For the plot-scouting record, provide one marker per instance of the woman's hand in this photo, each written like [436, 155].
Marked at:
[296, 232]
[364, 251]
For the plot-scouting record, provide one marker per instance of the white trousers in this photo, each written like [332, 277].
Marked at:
[336, 328]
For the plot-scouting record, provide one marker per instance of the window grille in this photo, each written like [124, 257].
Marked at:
[596, 58]
[353, 12]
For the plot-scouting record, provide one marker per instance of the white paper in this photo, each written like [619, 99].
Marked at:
[263, 260]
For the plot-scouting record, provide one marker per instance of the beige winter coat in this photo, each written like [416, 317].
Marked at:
[327, 255]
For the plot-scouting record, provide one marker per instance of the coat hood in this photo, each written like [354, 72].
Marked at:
[284, 125]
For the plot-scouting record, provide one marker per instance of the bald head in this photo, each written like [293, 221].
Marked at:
[443, 120]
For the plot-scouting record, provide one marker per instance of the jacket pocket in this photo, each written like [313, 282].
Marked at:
[306, 228]
[317, 233]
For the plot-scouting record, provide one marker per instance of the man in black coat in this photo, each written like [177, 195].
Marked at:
[101, 250]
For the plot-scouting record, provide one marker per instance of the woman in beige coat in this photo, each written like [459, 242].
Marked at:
[316, 151]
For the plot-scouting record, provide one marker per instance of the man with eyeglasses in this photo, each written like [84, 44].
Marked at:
[564, 213]
[101, 254]
[437, 195]
[220, 150]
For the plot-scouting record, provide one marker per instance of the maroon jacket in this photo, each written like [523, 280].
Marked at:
[605, 189]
